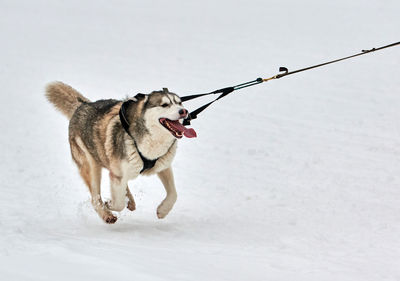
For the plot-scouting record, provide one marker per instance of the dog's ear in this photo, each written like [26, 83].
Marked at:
[123, 114]
[127, 107]
[139, 96]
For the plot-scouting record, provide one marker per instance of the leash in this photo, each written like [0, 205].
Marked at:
[226, 91]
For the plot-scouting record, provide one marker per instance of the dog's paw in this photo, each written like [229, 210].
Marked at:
[161, 214]
[109, 218]
[163, 209]
[131, 206]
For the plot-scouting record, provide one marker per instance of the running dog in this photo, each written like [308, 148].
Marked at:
[136, 136]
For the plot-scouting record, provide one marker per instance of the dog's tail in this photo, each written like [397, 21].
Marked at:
[64, 97]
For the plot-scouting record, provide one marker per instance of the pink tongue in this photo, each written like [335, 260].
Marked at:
[188, 132]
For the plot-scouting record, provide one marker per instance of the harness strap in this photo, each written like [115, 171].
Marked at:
[223, 92]
[147, 163]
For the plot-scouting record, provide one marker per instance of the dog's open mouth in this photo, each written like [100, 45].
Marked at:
[177, 129]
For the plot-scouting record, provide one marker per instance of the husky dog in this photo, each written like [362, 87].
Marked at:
[131, 137]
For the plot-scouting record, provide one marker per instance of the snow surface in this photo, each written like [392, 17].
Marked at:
[295, 179]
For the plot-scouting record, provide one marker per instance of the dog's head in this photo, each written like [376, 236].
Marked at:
[160, 113]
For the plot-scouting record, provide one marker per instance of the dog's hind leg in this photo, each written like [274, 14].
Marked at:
[91, 174]
[95, 192]
[131, 202]
[167, 178]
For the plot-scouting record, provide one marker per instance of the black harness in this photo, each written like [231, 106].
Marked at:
[147, 163]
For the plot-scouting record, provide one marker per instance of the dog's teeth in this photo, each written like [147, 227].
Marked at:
[172, 129]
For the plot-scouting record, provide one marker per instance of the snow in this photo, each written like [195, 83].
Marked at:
[294, 179]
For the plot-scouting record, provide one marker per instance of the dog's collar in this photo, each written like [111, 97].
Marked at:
[147, 163]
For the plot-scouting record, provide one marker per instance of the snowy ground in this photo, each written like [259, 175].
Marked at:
[296, 179]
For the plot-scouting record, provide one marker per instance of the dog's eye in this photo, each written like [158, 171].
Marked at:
[165, 105]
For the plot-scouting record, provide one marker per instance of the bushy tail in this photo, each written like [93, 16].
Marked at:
[64, 97]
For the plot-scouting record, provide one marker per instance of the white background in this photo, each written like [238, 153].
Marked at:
[294, 179]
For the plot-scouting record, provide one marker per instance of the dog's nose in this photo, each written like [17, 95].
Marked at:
[183, 112]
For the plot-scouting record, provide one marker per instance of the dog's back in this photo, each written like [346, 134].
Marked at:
[89, 122]
[93, 123]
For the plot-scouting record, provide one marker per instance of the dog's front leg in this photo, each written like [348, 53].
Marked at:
[167, 178]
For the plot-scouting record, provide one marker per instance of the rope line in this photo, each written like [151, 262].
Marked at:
[225, 91]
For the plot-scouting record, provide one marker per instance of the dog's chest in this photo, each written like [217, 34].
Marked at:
[134, 164]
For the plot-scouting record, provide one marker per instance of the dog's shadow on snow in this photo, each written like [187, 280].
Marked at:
[143, 226]
[132, 226]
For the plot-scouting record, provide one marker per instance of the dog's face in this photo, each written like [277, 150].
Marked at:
[163, 113]
[165, 109]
